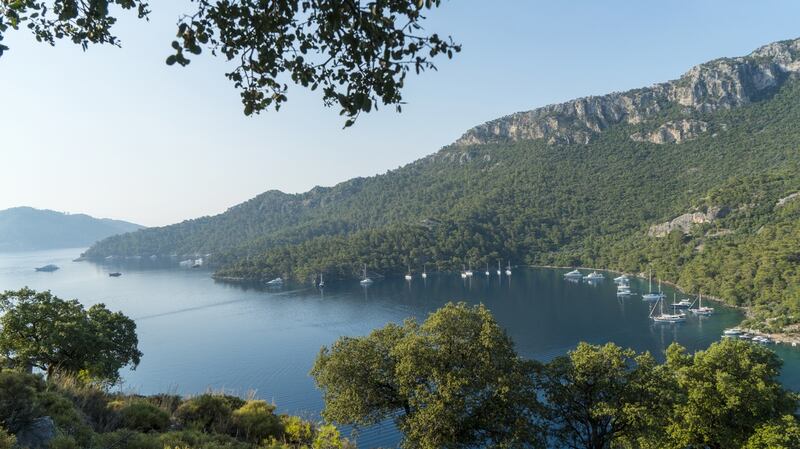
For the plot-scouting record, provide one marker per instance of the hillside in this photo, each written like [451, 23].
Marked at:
[26, 229]
[684, 176]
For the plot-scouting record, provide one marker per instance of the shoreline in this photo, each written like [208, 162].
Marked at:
[789, 338]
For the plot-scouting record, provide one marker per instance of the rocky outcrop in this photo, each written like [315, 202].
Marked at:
[673, 132]
[37, 434]
[782, 202]
[719, 84]
[685, 222]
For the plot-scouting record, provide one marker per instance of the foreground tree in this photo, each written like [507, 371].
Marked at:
[597, 396]
[780, 434]
[454, 381]
[59, 336]
[357, 52]
[725, 393]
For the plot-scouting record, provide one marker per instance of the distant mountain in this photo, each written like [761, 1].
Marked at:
[678, 176]
[26, 228]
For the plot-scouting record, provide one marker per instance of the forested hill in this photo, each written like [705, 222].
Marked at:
[26, 228]
[584, 182]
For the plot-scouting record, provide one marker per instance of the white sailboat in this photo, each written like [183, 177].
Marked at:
[321, 281]
[499, 273]
[469, 270]
[365, 280]
[508, 269]
[424, 272]
[651, 295]
[463, 272]
[669, 318]
[487, 269]
[408, 275]
[701, 310]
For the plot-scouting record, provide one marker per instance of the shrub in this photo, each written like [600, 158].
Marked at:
[208, 412]
[255, 421]
[328, 437]
[195, 439]
[66, 416]
[297, 431]
[127, 439]
[64, 442]
[89, 398]
[18, 393]
[7, 441]
[144, 417]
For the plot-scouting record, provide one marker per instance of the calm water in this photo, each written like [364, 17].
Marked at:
[197, 334]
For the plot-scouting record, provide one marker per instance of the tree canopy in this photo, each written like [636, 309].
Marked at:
[358, 53]
[58, 336]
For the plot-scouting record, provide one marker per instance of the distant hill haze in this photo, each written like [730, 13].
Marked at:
[29, 229]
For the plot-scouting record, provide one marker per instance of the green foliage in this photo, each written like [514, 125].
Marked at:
[297, 431]
[256, 421]
[59, 336]
[357, 53]
[144, 417]
[725, 393]
[64, 442]
[67, 417]
[209, 412]
[453, 381]
[18, 405]
[601, 396]
[780, 434]
[7, 441]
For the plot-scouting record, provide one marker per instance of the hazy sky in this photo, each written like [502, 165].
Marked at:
[116, 133]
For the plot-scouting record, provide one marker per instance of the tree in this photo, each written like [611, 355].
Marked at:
[599, 395]
[357, 52]
[453, 382]
[727, 392]
[780, 434]
[58, 336]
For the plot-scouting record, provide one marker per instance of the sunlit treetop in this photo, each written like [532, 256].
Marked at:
[357, 53]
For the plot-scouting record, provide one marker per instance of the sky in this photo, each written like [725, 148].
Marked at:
[114, 132]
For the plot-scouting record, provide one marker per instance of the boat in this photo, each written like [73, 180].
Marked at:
[595, 276]
[321, 282]
[763, 339]
[508, 269]
[115, 274]
[275, 282]
[469, 271]
[682, 304]
[365, 280]
[745, 336]
[408, 275]
[188, 263]
[487, 269]
[48, 268]
[621, 279]
[701, 310]
[424, 272]
[653, 296]
[623, 290]
[463, 274]
[666, 318]
[574, 274]
[732, 332]
[499, 273]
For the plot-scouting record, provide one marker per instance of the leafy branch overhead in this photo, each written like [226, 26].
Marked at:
[358, 53]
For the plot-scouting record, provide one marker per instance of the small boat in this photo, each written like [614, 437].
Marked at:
[469, 271]
[115, 274]
[623, 290]
[701, 310]
[621, 279]
[499, 273]
[653, 296]
[746, 336]
[275, 282]
[682, 304]
[763, 339]
[48, 268]
[487, 269]
[732, 332]
[424, 272]
[365, 280]
[508, 269]
[574, 274]
[408, 275]
[188, 263]
[321, 282]
[595, 276]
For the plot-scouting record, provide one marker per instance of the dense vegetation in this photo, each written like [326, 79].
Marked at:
[534, 203]
[455, 381]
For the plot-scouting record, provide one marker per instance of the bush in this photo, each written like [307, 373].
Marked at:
[208, 412]
[256, 421]
[64, 442]
[90, 399]
[297, 431]
[66, 416]
[127, 439]
[198, 440]
[7, 441]
[18, 399]
[144, 417]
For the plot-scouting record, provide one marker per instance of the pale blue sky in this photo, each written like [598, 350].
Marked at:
[116, 133]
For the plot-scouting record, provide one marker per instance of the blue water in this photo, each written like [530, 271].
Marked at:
[198, 334]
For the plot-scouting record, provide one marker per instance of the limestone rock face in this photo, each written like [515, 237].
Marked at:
[685, 222]
[38, 434]
[716, 85]
[673, 132]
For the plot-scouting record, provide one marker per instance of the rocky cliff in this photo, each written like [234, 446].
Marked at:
[720, 84]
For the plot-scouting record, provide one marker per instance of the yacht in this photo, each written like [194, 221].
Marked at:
[508, 269]
[275, 282]
[321, 282]
[621, 279]
[701, 310]
[408, 275]
[732, 332]
[365, 280]
[669, 318]
[595, 276]
[48, 268]
[574, 274]
[115, 274]
[623, 290]
[487, 269]
[469, 271]
[424, 272]
[682, 304]
[762, 339]
[499, 273]
[653, 296]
